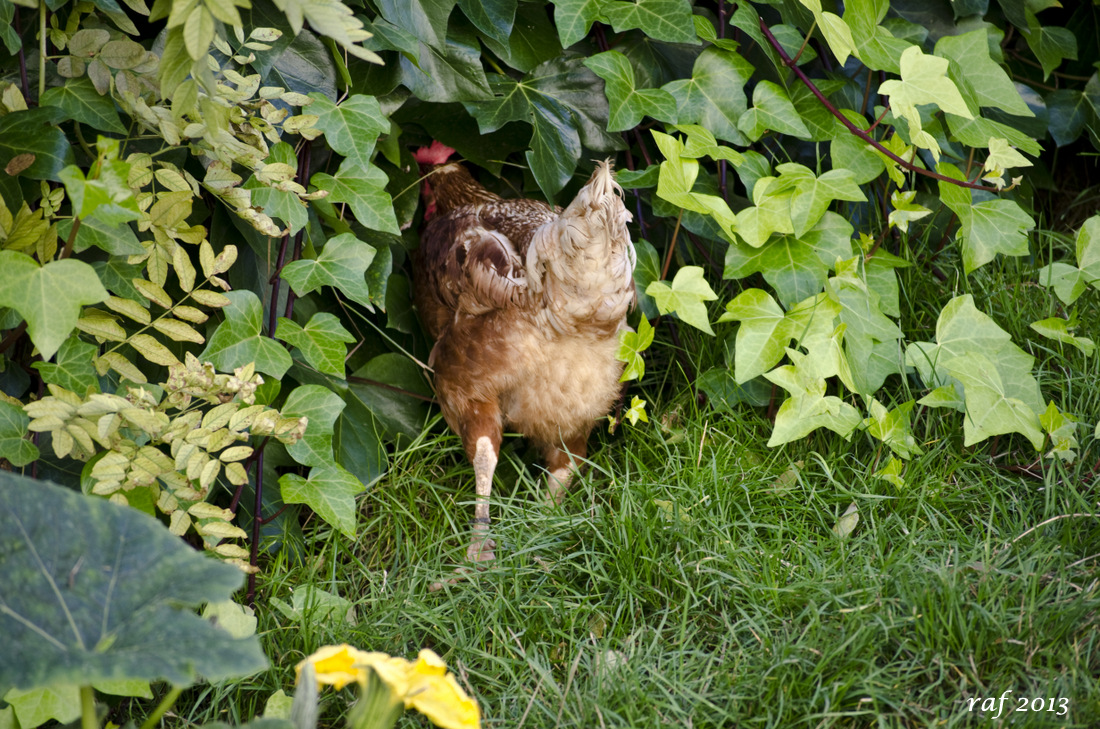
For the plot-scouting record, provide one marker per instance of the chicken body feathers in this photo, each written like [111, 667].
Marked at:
[525, 303]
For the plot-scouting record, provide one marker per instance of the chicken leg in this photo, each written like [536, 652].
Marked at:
[561, 465]
[481, 437]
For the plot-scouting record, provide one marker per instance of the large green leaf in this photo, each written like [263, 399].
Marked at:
[32, 132]
[240, 340]
[763, 336]
[532, 40]
[82, 103]
[397, 413]
[991, 82]
[357, 442]
[351, 128]
[685, 297]
[452, 72]
[73, 368]
[992, 227]
[330, 491]
[363, 188]
[322, 341]
[629, 104]
[796, 267]
[556, 99]
[95, 592]
[808, 408]
[322, 406]
[990, 409]
[663, 20]
[48, 297]
[14, 446]
[714, 96]
[116, 239]
[341, 264]
[771, 110]
[574, 18]
[963, 330]
[494, 18]
[424, 19]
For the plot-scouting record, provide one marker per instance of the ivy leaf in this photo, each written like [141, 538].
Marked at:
[892, 428]
[991, 82]
[1061, 330]
[32, 132]
[532, 40]
[565, 105]
[714, 96]
[992, 227]
[363, 187]
[1069, 111]
[341, 264]
[398, 414]
[322, 406]
[990, 409]
[808, 408]
[14, 447]
[276, 203]
[872, 341]
[962, 330]
[1062, 430]
[663, 20]
[351, 128]
[923, 81]
[82, 103]
[685, 297]
[239, 339]
[646, 271]
[813, 195]
[494, 18]
[764, 334]
[574, 18]
[837, 33]
[113, 238]
[425, 19]
[1069, 282]
[330, 491]
[797, 267]
[874, 45]
[1050, 44]
[631, 346]
[1088, 249]
[891, 472]
[636, 411]
[124, 612]
[322, 341]
[904, 210]
[771, 110]
[629, 104]
[452, 72]
[48, 297]
[73, 369]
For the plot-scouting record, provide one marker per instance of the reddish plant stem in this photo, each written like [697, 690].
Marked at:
[861, 133]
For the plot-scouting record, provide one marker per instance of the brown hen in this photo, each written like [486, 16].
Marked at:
[525, 302]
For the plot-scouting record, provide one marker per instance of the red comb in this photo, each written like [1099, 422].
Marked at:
[437, 154]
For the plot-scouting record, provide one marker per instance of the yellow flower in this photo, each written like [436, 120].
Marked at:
[424, 685]
[334, 665]
[436, 694]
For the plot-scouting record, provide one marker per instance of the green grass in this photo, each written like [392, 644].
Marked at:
[693, 577]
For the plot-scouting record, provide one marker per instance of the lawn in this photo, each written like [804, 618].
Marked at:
[695, 577]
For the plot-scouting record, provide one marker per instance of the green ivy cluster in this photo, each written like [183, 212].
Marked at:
[235, 192]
